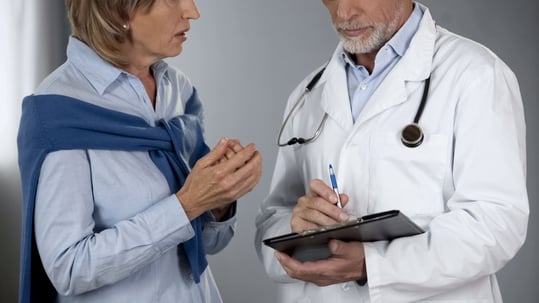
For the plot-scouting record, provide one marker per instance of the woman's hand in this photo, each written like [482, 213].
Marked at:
[226, 173]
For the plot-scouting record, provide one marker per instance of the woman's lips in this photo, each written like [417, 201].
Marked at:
[181, 35]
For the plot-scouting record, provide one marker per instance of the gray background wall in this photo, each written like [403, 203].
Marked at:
[246, 56]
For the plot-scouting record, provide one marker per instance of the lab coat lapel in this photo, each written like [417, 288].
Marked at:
[414, 67]
[391, 92]
[334, 97]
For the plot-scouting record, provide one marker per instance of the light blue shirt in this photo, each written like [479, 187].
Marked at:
[361, 84]
[106, 225]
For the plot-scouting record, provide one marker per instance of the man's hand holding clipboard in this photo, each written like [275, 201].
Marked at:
[312, 245]
[325, 246]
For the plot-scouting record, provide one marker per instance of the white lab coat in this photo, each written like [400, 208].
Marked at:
[465, 185]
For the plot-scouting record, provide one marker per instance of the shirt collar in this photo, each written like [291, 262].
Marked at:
[401, 40]
[99, 72]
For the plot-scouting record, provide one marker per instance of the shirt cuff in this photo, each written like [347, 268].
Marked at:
[169, 223]
[210, 217]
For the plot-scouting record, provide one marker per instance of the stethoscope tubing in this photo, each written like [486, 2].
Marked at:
[296, 140]
[423, 101]
[411, 135]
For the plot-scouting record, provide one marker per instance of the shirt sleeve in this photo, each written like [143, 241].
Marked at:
[275, 212]
[78, 259]
[217, 235]
[287, 185]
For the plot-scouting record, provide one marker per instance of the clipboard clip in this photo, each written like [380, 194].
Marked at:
[330, 227]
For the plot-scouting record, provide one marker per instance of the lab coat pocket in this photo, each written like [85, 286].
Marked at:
[404, 178]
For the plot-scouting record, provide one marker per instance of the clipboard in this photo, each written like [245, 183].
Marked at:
[312, 245]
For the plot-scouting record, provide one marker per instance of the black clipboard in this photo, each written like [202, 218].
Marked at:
[312, 245]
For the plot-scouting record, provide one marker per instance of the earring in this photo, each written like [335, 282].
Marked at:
[125, 26]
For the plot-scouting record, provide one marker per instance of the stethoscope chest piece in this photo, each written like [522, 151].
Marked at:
[412, 135]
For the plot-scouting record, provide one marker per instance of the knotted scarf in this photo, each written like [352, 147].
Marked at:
[54, 122]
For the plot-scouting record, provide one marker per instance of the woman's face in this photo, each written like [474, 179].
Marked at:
[160, 32]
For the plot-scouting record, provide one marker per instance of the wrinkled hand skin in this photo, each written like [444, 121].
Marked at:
[318, 208]
[347, 263]
[221, 177]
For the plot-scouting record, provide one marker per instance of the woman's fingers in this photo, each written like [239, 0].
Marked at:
[215, 182]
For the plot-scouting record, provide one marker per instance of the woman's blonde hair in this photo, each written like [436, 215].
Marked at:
[102, 24]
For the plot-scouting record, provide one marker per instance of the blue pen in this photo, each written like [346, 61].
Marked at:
[334, 185]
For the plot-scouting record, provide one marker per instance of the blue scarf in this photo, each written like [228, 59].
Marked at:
[53, 122]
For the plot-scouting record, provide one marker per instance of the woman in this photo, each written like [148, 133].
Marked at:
[115, 208]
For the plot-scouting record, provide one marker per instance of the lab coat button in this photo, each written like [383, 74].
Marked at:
[346, 287]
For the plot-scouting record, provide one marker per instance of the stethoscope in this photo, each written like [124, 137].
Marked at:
[411, 134]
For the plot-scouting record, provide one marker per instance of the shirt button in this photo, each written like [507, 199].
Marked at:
[363, 86]
[346, 287]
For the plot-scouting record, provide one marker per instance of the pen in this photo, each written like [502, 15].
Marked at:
[334, 185]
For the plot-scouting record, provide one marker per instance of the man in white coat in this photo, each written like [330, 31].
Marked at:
[463, 181]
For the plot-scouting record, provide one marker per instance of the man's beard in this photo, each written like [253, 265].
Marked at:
[380, 34]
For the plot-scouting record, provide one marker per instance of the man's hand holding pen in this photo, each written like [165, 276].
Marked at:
[319, 207]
